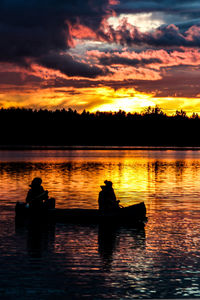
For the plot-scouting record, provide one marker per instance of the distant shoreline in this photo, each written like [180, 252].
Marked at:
[83, 147]
[43, 129]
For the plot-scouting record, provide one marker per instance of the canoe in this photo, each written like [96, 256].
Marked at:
[134, 214]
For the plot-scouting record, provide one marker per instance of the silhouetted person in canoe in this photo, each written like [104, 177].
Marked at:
[107, 199]
[36, 195]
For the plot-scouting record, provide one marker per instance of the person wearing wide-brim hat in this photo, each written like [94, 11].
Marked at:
[36, 194]
[107, 199]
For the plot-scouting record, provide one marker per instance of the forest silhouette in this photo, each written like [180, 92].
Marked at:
[152, 127]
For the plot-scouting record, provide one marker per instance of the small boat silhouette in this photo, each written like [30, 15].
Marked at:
[134, 214]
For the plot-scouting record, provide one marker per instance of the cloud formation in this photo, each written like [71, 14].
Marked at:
[70, 67]
[57, 45]
[164, 36]
[40, 30]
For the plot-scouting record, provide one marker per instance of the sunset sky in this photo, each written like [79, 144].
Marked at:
[100, 54]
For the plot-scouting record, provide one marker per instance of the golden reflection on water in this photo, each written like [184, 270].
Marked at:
[165, 254]
[74, 177]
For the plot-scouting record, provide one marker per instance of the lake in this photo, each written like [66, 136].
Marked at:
[69, 261]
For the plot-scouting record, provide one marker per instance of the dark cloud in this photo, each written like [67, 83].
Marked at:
[119, 60]
[35, 28]
[129, 6]
[70, 67]
[164, 36]
[184, 14]
[39, 31]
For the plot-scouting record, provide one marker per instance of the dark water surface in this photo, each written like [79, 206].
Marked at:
[69, 261]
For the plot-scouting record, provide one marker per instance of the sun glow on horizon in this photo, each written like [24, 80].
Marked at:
[100, 98]
[127, 100]
[130, 100]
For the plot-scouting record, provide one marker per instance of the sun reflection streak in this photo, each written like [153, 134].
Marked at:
[68, 174]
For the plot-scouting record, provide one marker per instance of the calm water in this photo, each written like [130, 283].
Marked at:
[89, 262]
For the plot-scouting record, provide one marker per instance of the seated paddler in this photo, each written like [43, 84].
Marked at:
[107, 199]
[36, 196]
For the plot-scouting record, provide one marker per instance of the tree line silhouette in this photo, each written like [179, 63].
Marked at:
[152, 127]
